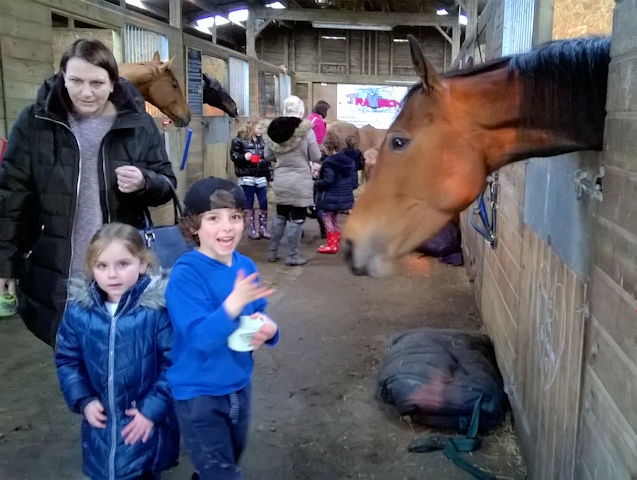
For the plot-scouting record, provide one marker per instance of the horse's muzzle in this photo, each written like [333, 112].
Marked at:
[348, 249]
[181, 121]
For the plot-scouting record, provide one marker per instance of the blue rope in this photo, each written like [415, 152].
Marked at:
[488, 223]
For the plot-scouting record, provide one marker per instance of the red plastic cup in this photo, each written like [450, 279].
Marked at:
[255, 158]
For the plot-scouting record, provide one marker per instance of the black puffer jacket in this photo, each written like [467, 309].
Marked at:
[246, 168]
[38, 193]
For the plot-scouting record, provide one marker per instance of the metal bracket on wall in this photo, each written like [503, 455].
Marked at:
[589, 183]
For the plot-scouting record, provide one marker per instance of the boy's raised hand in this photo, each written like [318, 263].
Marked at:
[246, 290]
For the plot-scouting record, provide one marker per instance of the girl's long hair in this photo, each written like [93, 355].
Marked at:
[248, 126]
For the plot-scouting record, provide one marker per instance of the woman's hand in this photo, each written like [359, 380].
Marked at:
[8, 285]
[94, 413]
[129, 179]
[138, 428]
[247, 156]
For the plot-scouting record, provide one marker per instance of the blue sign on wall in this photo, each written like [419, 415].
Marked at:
[194, 79]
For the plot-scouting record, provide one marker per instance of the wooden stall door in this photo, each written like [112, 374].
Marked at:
[216, 128]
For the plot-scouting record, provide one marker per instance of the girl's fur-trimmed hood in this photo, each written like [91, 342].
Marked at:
[287, 133]
[151, 293]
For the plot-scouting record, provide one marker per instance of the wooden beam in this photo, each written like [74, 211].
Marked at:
[356, 18]
[174, 8]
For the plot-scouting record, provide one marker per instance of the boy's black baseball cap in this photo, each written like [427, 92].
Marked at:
[213, 192]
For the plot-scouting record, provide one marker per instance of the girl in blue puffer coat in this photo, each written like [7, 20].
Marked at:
[113, 349]
[336, 184]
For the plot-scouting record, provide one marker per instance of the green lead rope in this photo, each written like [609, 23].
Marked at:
[452, 446]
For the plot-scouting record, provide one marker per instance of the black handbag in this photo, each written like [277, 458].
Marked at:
[166, 242]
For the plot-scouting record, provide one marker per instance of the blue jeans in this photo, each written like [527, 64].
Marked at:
[215, 430]
[261, 193]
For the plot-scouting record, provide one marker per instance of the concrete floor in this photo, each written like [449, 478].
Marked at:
[316, 412]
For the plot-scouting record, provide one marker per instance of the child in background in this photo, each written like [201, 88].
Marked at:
[352, 151]
[254, 173]
[210, 287]
[112, 354]
[335, 186]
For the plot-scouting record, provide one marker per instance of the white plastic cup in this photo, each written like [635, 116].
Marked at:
[241, 338]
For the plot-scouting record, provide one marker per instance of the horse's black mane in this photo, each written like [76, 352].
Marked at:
[564, 84]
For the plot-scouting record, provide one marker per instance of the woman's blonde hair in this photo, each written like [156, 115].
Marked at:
[246, 130]
[121, 232]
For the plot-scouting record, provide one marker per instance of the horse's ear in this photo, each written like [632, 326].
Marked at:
[168, 63]
[425, 70]
[156, 57]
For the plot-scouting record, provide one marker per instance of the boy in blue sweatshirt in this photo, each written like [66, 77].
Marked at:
[209, 288]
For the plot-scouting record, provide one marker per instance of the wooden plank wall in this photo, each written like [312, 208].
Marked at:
[531, 307]
[607, 443]
[26, 46]
[567, 349]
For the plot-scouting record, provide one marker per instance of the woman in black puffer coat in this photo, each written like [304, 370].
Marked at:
[336, 184]
[85, 153]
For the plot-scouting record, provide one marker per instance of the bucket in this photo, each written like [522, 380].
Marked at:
[8, 305]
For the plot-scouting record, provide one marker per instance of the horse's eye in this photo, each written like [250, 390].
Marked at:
[398, 143]
[175, 85]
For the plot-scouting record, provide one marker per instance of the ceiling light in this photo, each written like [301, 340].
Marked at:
[462, 19]
[205, 24]
[400, 40]
[441, 11]
[238, 16]
[333, 37]
[349, 26]
[275, 5]
[136, 3]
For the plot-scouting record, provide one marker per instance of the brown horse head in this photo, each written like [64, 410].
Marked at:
[455, 129]
[427, 169]
[158, 85]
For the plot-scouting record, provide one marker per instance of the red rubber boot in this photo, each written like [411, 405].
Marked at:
[332, 243]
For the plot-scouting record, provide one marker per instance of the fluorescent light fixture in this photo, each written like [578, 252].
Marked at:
[205, 24]
[333, 37]
[441, 11]
[238, 15]
[400, 40]
[462, 19]
[275, 5]
[136, 3]
[350, 26]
